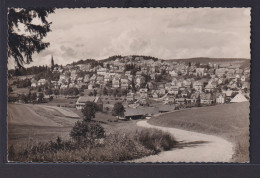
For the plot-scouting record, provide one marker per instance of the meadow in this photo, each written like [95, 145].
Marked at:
[230, 121]
[40, 133]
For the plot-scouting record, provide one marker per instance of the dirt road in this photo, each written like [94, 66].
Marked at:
[192, 147]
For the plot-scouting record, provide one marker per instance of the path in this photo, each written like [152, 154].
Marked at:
[192, 147]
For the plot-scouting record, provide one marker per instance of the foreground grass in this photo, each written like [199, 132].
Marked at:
[114, 147]
[230, 121]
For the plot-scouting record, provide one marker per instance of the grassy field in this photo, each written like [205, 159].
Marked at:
[29, 124]
[33, 132]
[230, 121]
[35, 123]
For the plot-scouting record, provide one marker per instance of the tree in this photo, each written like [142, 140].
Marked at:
[118, 109]
[73, 91]
[10, 89]
[95, 92]
[24, 98]
[105, 92]
[87, 130]
[49, 92]
[33, 97]
[89, 111]
[40, 97]
[56, 92]
[21, 46]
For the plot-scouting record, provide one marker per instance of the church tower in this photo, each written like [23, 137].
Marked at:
[52, 63]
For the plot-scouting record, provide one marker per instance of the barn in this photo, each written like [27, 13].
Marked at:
[84, 99]
[140, 113]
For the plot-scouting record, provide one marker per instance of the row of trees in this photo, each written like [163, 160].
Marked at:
[32, 98]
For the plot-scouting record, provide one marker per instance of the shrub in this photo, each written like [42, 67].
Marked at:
[156, 140]
[113, 147]
[87, 130]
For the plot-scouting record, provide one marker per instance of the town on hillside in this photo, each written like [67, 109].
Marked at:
[144, 85]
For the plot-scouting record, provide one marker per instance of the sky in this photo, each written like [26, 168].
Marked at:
[166, 33]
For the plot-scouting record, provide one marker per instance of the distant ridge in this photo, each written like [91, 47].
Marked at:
[243, 61]
[213, 60]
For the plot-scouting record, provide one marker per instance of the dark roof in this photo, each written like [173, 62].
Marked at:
[140, 111]
[166, 108]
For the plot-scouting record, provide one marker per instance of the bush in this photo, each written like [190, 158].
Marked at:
[87, 130]
[156, 140]
[113, 147]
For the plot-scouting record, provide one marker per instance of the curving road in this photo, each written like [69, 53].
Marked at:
[192, 147]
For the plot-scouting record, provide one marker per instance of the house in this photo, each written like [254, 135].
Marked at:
[102, 71]
[224, 65]
[173, 73]
[181, 100]
[144, 69]
[90, 86]
[173, 90]
[198, 86]
[152, 76]
[115, 82]
[170, 99]
[93, 79]
[155, 94]
[127, 73]
[168, 86]
[41, 82]
[81, 102]
[194, 97]
[220, 72]
[238, 98]
[184, 93]
[210, 87]
[80, 80]
[33, 83]
[200, 71]
[124, 83]
[63, 86]
[138, 81]
[220, 98]
[130, 97]
[100, 79]
[86, 79]
[55, 84]
[107, 78]
[206, 98]
[143, 92]
[161, 92]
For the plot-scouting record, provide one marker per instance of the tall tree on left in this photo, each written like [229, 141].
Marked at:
[26, 30]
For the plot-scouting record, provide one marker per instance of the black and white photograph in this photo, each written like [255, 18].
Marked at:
[132, 85]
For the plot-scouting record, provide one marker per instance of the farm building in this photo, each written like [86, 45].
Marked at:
[84, 99]
[140, 113]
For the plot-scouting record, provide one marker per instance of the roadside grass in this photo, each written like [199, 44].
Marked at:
[114, 147]
[230, 121]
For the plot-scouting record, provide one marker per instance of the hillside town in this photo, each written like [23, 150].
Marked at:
[144, 85]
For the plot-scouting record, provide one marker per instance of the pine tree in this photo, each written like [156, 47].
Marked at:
[22, 45]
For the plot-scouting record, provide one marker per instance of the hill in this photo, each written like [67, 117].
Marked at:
[230, 121]
[212, 60]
